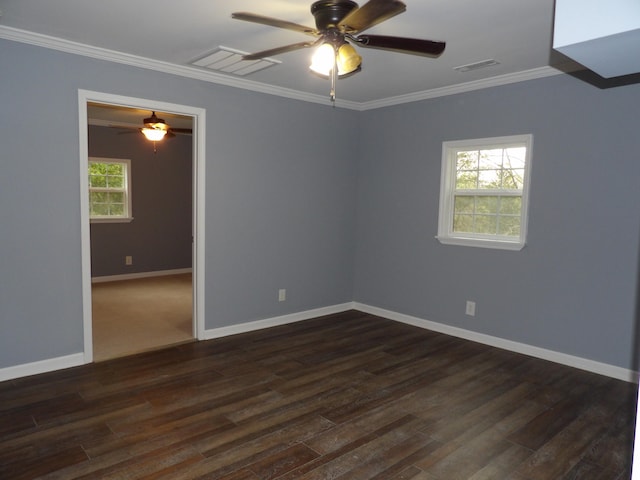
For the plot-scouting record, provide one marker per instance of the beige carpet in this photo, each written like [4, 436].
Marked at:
[133, 316]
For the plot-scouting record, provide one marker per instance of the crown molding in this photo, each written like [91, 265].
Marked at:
[463, 87]
[67, 46]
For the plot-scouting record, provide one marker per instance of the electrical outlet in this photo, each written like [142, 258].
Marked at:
[128, 260]
[282, 295]
[471, 308]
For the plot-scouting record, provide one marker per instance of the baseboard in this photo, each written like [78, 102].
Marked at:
[276, 321]
[134, 276]
[537, 352]
[600, 368]
[41, 366]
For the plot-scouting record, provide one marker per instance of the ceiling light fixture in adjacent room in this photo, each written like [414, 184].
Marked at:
[154, 128]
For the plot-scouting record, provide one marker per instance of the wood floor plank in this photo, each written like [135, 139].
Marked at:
[348, 396]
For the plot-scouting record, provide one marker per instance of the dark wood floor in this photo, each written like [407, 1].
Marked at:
[348, 396]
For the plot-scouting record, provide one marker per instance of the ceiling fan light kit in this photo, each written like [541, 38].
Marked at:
[154, 128]
[153, 134]
[338, 25]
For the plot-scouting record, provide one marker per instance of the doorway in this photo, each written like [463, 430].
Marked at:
[141, 282]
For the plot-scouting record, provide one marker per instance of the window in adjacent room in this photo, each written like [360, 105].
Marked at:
[484, 192]
[109, 190]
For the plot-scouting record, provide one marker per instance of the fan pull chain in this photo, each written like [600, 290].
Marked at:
[334, 75]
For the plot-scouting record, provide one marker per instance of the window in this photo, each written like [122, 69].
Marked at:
[109, 190]
[484, 191]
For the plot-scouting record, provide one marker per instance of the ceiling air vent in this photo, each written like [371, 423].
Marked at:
[227, 60]
[476, 66]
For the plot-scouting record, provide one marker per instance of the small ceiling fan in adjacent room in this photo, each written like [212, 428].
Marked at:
[156, 129]
[339, 26]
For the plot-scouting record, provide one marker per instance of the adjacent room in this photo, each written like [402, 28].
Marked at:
[421, 263]
[140, 209]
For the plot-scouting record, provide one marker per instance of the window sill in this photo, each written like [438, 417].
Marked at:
[111, 220]
[481, 243]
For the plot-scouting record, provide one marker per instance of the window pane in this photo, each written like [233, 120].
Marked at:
[100, 209]
[116, 197]
[97, 181]
[491, 159]
[467, 180]
[114, 169]
[514, 157]
[97, 169]
[463, 204]
[510, 205]
[487, 224]
[115, 182]
[489, 179]
[467, 160]
[98, 197]
[463, 223]
[509, 226]
[487, 205]
[513, 179]
[117, 209]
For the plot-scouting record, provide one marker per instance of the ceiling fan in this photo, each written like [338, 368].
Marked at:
[156, 129]
[339, 24]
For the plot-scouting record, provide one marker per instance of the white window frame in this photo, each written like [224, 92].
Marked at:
[127, 217]
[450, 149]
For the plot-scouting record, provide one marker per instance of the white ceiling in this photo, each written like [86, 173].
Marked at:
[516, 33]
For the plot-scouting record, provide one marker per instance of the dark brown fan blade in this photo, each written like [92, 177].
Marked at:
[278, 50]
[186, 131]
[274, 22]
[415, 46]
[370, 14]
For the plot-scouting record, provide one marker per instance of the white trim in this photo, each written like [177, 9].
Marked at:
[537, 352]
[497, 342]
[506, 79]
[276, 321]
[199, 158]
[135, 276]
[46, 41]
[42, 366]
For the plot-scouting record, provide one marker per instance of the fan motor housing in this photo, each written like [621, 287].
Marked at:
[328, 13]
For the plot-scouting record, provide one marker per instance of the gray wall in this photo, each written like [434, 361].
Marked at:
[159, 237]
[280, 205]
[337, 214]
[572, 289]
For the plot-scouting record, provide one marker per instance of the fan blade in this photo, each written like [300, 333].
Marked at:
[274, 22]
[185, 131]
[278, 50]
[415, 46]
[127, 128]
[370, 14]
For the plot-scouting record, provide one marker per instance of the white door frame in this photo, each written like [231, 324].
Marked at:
[198, 222]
